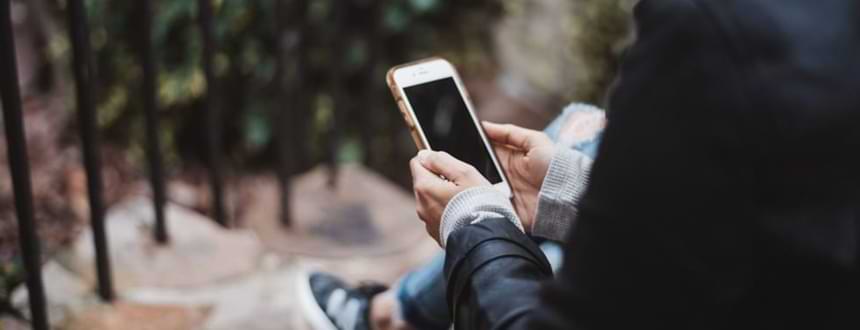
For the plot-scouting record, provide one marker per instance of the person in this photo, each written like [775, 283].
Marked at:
[417, 301]
[725, 193]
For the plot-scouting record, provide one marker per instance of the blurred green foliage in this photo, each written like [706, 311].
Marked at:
[346, 45]
[602, 30]
[11, 275]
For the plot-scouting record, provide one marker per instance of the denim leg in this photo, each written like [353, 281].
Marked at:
[554, 254]
[422, 296]
[579, 126]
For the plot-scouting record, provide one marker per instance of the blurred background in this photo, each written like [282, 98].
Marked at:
[281, 106]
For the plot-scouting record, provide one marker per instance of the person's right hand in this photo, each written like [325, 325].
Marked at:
[524, 155]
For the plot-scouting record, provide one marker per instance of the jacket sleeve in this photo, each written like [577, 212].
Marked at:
[659, 235]
[493, 278]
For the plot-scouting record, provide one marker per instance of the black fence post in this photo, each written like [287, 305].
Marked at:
[150, 110]
[19, 168]
[337, 44]
[82, 64]
[287, 114]
[369, 115]
[213, 114]
[284, 165]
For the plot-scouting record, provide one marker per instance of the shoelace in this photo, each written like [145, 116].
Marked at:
[342, 310]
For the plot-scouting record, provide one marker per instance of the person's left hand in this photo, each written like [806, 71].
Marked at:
[524, 155]
[432, 192]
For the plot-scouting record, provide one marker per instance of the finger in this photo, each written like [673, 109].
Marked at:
[423, 180]
[505, 155]
[503, 152]
[514, 135]
[441, 163]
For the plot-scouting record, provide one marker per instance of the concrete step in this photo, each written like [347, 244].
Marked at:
[210, 277]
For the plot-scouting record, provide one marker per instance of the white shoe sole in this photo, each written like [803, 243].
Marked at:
[308, 303]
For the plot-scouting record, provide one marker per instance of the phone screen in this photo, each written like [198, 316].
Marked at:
[448, 126]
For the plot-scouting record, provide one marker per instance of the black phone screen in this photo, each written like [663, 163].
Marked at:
[448, 126]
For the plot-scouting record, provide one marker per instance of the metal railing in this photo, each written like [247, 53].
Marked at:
[82, 65]
[150, 105]
[292, 65]
[20, 169]
[82, 62]
[213, 115]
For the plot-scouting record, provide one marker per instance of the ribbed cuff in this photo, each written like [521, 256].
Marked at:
[474, 205]
[562, 187]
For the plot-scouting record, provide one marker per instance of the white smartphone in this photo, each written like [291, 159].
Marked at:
[440, 115]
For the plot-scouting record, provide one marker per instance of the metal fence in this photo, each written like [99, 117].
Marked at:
[82, 63]
[20, 169]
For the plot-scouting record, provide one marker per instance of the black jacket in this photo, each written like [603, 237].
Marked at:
[724, 194]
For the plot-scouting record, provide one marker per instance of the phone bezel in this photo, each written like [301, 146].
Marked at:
[429, 70]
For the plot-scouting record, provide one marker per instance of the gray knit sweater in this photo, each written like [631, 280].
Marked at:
[562, 187]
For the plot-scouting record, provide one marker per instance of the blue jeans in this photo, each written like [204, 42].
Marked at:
[421, 293]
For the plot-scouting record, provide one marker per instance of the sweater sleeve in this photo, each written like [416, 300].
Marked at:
[473, 205]
[562, 188]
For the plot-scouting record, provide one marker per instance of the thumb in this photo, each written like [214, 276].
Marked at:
[423, 179]
[513, 135]
[443, 164]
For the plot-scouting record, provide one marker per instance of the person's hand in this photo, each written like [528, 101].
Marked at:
[524, 155]
[432, 192]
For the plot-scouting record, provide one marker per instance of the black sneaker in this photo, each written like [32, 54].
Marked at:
[329, 304]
